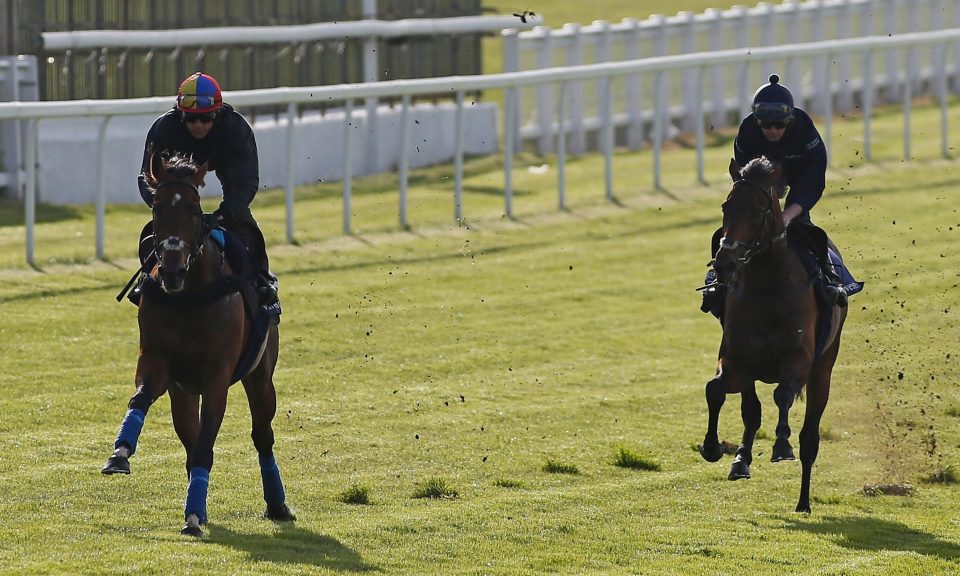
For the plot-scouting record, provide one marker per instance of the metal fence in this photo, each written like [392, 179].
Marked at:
[932, 50]
[766, 24]
[141, 72]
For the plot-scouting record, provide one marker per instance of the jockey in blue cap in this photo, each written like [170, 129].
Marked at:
[785, 134]
[202, 126]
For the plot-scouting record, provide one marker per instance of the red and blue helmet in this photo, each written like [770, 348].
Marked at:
[199, 94]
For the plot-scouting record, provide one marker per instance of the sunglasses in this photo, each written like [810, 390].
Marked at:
[193, 118]
[769, 125]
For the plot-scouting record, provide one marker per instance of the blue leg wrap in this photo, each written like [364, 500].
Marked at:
[273, 493]
[197, 493]
[130, 429]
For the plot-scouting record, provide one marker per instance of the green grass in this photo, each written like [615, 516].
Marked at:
[552, 466]
[467, 353]
[627, 458]
[436, 488]
[355, 494]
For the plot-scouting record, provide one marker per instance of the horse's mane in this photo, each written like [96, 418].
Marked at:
[181, 167]
[758, 169]
[176, 167]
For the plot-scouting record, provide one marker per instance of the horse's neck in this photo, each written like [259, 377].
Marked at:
[207, 268]
[775, 266]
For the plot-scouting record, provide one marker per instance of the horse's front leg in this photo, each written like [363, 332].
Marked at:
[750, 412]
[213, 406]
[152, 381]
[784, 395]
[716, 393]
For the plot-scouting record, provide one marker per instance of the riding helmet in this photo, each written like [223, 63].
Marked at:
[772, 102]
[199, 94]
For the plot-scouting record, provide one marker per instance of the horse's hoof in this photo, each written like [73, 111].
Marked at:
[189, 530]
[281, 513]
[782, 450]
[116, 465]
[711, 453]
[803, 508]
[740, 469]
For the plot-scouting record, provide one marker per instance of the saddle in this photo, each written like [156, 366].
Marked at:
[242, 280]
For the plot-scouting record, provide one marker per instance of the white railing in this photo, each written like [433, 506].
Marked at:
[250, 35]
[930, 48]
[738, 27]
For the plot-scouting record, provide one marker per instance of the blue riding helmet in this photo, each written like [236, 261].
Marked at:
[772, 102]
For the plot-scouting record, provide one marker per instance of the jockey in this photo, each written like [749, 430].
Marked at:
[202, 126]
[786, 135]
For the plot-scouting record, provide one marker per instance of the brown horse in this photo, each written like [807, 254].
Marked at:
[193, 329]
[770, 321]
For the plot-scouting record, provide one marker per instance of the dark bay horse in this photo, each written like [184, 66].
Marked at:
[193, 329]
[769, 331]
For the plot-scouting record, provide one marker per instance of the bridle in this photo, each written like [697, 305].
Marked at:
[175, 243]
[763, 240]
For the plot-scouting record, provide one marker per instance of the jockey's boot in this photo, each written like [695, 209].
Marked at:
[267, 288]
[831, 286]
[714, 295]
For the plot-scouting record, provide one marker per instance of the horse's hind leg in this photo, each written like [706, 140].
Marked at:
[151, 384]
[750, 411]
[262, 397]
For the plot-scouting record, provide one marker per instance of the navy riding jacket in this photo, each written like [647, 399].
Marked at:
[800, 153]
[229, 149]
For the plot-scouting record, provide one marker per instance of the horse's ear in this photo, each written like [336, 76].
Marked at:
[157, 169]
[201, 174]
[735, 170]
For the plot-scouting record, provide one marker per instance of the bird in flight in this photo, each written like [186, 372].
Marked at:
[523, 15]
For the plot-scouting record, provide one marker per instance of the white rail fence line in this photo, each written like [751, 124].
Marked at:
[739, 27]
[296, 38]
[937, 46]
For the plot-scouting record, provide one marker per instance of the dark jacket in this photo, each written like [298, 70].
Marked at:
[229, 149]
[800, 153]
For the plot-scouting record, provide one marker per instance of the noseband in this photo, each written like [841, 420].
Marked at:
[175, 243]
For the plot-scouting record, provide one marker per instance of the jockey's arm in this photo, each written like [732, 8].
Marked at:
[152, 144]
[241, 178]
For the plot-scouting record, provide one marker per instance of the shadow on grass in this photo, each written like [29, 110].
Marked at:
[293, 545]
[877, 535]
[11, 213]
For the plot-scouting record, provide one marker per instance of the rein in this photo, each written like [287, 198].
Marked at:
[161, 246]
[759, 245]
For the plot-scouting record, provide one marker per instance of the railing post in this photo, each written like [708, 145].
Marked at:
[689, 41]
[347, 164]
[101, 208]
[509, 122]
[659, 89]
[291, 168]
[561, 146]
[821, 75]
[634, 97]
[30, 194]
[511, 63]
[698, 121]
[907, 107]
[607, 130]
[718, 86]
[404, 157]
[891, 79]
[844, 26]
[661, 86]
[545, 91]
[792, 77]
[458, 159]
[578, 137]
[940, 72]
[604, 85]
[868, 96]
[370, 74]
